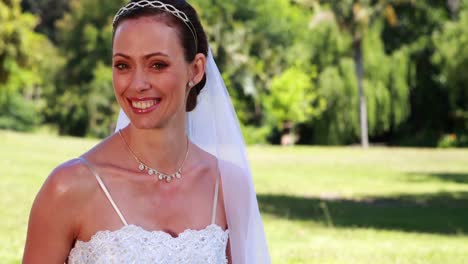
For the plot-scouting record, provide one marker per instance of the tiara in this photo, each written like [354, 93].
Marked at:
[162, 6]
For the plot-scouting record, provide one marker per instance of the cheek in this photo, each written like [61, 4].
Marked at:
[172, 85]
[119, 82]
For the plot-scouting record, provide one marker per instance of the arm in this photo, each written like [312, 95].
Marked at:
[52, 222]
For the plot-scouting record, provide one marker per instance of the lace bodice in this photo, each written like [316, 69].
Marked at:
[133, 244]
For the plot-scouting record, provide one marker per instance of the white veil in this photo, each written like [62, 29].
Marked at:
[214, 127]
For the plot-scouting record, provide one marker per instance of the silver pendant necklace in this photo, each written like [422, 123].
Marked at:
[154, 172]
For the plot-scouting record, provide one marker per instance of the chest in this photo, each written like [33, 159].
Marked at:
[144, 205]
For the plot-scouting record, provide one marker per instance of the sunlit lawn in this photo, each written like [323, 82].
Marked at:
[320, 205]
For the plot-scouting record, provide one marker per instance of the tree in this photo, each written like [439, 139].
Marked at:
[101, 104]
[15, 57]
[429, 102]
[386, 79]
[249, 49]
[354, 18]
[452, 57]
[292, 98]
[49, 12]
[85, 40]
[22, 67]
[453, 6]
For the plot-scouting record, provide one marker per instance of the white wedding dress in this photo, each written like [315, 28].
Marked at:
[133, 244]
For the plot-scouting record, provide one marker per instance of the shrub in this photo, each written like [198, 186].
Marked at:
[19, 114]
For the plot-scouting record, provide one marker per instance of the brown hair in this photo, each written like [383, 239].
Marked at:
[191, 49]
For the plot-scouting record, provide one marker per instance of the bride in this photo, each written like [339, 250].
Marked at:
[172, 185]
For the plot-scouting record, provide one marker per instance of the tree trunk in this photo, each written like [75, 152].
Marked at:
[359, 65]
[453, 6]
[288, 138]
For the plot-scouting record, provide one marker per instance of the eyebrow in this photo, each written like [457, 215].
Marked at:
[147, 56]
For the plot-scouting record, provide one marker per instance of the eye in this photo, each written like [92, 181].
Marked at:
[121, 66]
[159, 66]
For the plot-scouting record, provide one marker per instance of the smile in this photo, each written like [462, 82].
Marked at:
[145, 104]
[141, 106]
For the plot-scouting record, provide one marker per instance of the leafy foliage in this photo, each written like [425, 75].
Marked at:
[386, 81]
[339, 124]
[292, 97]
[23, 76]
[101, 104]
[85, 40]
[249, 49]
[50, 11]
[413, 60]
[451, 55]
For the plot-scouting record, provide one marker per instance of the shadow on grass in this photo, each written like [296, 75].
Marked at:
[445, 176]
[443, 213]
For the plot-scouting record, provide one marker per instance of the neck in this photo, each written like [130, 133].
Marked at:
[163, 149]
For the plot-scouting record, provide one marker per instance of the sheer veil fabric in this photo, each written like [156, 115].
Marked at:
[214, 127]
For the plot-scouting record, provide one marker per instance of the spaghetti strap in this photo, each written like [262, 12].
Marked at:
[104, 189]
[215, 199]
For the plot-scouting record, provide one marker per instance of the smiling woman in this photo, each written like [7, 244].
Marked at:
[173, 185]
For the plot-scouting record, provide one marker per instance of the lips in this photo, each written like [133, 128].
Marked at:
[143, 105]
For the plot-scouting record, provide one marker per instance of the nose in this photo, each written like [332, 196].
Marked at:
[140, 82]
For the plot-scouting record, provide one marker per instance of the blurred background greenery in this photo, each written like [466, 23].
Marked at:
[292, 66]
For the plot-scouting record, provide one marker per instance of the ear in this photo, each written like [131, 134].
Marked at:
[198, 68]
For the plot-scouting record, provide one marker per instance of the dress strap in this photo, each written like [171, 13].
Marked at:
[215, 199]
[104, 189]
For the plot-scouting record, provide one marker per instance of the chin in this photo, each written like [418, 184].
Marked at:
[147, 125]
[155, 120]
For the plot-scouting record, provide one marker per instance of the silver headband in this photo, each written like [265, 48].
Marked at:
[162, 6]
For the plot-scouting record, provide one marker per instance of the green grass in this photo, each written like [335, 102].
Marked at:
[320, 204]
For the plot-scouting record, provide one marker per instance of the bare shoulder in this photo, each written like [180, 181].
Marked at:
[204, 161]
[67, 189]
[231, 167]
[69, 179]
[230, 172]
[55, 214]
[75, 179]
[233, 173]
[208, 159]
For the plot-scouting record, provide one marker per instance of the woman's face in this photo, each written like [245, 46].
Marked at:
[150, 74]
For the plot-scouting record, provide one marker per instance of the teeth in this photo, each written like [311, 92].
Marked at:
[144, 104]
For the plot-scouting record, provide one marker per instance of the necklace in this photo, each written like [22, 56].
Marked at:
[151, 171]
